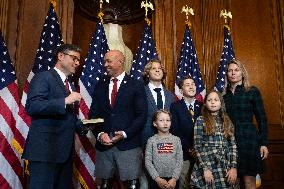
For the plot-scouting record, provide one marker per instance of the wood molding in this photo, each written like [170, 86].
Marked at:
[4, 6]
[277, 22]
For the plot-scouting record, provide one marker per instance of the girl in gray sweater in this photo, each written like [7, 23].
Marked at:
[163, 155]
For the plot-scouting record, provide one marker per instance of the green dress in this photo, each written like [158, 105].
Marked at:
[242, 106]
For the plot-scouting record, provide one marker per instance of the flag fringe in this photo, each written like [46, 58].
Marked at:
[16, 145]
[79, 177]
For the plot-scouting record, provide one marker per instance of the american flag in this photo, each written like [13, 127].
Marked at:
[93, 71]
[49, 41]
[227, 55]
[146, 52]
[188, 66]
[11, 170]
[164, 148]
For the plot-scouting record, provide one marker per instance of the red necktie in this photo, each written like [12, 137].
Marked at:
[67, 86]
[113, 92]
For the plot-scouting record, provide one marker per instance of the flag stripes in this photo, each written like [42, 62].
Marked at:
[11, 170]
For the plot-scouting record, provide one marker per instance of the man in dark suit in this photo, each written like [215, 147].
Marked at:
[158, 97]
[51, 103]
[121, 101]
[184, 114]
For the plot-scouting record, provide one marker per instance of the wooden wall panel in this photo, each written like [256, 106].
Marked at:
[277, 26]
[164, 31]
[252, 34]
[65, 13]
[12, 27]
[29, 29]
[4, 6]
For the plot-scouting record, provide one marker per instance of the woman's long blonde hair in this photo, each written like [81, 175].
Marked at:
[210, 122]
[245, 78]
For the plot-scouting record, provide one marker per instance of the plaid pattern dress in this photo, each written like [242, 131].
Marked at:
[241, 107]
[214, 152]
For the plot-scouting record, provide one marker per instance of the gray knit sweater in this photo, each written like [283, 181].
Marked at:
[163, 156]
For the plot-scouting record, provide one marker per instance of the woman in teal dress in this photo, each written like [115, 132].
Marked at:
[243, 103]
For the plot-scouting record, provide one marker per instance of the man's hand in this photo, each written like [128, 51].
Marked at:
[105, 140]
[73, 97]
[118, 135]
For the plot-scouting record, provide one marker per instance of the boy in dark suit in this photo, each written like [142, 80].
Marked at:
[121, 101]
[51, 104]
[158, 97]
[184, 114]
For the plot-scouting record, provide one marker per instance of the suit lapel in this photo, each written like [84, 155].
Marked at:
[59, 81]
[150, 97]
[105, 93]
[167, 98]
[122, 89]
[185, 108]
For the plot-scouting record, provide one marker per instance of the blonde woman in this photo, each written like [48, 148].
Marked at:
[243, 102]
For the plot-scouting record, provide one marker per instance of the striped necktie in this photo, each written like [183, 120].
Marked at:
[191, 111]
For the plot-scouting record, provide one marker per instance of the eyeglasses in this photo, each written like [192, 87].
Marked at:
[75, 58]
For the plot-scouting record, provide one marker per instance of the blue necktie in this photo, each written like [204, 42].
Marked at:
[159, 98]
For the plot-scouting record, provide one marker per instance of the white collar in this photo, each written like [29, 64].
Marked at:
[61, 74]
[120, 77]
[152, 87]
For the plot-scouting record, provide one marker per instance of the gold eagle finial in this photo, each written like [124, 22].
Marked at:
[226, 14]
[147, 5]
[187, 10]
[101, 14]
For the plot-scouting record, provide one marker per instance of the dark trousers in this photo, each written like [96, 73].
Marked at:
[44, 175]
[154, 185]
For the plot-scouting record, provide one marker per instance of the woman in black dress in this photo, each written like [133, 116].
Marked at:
[243, 102]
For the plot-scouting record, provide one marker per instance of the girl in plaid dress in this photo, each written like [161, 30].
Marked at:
[243, 102]
[215, 145]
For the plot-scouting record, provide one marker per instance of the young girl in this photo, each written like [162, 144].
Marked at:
[163, 155]
[215, 145]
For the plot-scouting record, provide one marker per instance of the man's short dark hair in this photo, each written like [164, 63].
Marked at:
[65, 48]
[180, 84]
